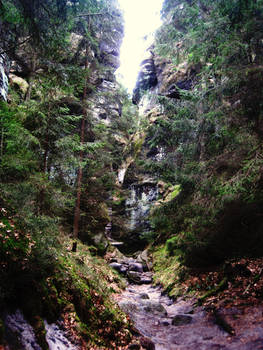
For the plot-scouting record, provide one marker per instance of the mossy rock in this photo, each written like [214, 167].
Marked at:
[19, 83]
[181, 320]
[40, 332]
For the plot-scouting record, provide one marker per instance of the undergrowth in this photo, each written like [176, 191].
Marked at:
[75, 286]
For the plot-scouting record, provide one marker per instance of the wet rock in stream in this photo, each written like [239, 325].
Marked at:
[134, 277]
[119, 267]
[144, 296]
[136, 267]
[180, 320]
[155, 308]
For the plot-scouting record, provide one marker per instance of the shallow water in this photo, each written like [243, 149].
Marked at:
[56, 338]
[202, 333]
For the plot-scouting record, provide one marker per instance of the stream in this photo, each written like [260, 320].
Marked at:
[159, 322]
[165, 324]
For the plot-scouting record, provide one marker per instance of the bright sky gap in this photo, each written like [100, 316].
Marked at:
[142, 19]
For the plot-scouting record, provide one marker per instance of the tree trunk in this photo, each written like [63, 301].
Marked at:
[2, 141]
[79, 183]
[31, 78]
[80, 170]
[44, 165]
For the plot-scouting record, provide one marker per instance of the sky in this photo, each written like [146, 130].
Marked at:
[142, 18]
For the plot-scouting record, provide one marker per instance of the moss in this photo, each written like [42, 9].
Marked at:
[138, 145]
[80, 285]
[89, 285]
[167, 271]
[171, 244]
[175, 192]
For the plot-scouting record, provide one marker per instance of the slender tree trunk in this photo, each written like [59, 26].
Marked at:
[30, 80]
[81, 155]
[79, 183]
[2, 141]
[46, 148]
[44, 164]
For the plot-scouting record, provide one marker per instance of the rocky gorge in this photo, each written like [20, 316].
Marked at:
[152, 203]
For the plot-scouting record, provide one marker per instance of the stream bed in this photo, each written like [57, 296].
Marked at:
[180, 325]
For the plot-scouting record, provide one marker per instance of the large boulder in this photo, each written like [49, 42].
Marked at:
[20, 83]
[118, 267]
[144, 260]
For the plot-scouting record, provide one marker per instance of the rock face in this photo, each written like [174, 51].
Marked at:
[158, 76]
[105, 101]
[138, 204]
[103, 98]
[4, 70]
[133, 224]
[147, 78]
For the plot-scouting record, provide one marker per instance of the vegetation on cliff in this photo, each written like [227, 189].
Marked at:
[61, 56]
[209, 131]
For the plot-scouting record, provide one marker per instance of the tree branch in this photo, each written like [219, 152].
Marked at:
[94, 14]
[12, 48]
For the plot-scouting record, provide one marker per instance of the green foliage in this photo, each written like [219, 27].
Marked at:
[209, 136]
[44, 281]
[39, 159]
[171, 244]
[167, 271]
[11, 14]
[214, 33]
[47, 26]
[148, 236]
